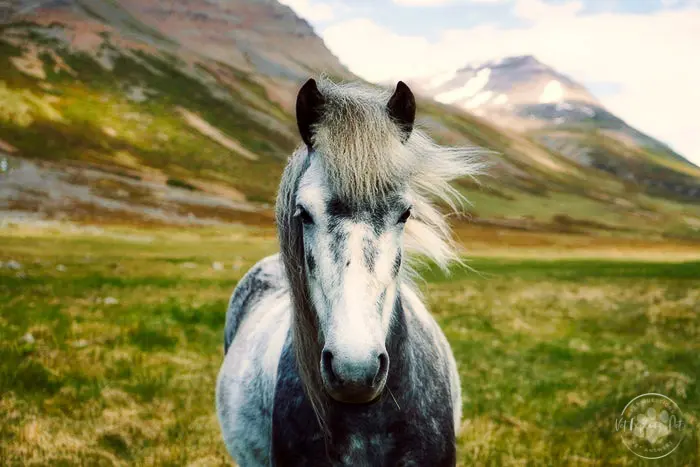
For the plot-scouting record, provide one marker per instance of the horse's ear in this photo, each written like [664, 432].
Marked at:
[402, 109]
[309, 106]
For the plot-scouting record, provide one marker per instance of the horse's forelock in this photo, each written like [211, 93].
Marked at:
[357, 142]
[365, 154]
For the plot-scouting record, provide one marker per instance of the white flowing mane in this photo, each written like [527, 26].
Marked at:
[363, 154]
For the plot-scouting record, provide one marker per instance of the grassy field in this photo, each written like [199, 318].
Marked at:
[111, 339]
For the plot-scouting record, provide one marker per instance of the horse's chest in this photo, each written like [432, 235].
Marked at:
[393, 440]
[376, 435]
[362, 448]
[356, 441]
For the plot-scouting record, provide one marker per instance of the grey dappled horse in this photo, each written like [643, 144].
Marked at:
[331, 358]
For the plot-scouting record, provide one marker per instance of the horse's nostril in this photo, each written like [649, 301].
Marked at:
[327, 359]
[383, 368]
[354, 376]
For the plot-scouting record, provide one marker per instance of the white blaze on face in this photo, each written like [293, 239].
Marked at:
[352, 282]
[389, 247]
[355, 321]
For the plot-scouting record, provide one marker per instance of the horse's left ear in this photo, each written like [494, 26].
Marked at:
[402, 109]
[310, 103]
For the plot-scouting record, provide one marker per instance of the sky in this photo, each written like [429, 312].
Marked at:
[640, 58]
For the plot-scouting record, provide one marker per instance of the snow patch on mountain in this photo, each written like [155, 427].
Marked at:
[481, 98]
[588, 111]
[553, 92]
[501, 99]
[473, 86]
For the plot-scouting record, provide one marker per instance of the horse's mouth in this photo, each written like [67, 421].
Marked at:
[356, 396]
[353, 393]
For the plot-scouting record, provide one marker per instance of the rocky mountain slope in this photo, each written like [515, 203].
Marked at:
[525, 95]
[181, 112]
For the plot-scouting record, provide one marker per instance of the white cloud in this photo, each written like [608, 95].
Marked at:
[376, 53]
[311, 11]
[422, 2]
[537, 10]
[652, 57]
[671, 3]
[442, 2]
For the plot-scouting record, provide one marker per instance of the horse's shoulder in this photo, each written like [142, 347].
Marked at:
[269, 269]
[265, 276]
[430, 337]
[416, 310]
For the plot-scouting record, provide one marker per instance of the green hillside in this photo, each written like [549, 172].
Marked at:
[163, 122]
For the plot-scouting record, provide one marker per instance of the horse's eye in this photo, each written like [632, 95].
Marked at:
[404, 217]
[304, 215]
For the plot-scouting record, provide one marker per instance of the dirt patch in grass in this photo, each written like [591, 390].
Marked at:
[204, 127]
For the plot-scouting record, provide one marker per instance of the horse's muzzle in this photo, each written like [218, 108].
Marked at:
[354, 381]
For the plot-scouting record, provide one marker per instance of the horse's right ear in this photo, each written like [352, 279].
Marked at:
[309, 106]
[402, 109]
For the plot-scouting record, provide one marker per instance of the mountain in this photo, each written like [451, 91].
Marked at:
[519, 92]
[262, 37]
[154, 111]
[523, 94]
[161, 95]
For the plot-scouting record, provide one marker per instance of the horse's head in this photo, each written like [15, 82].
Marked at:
[349, 202]
[353, 251]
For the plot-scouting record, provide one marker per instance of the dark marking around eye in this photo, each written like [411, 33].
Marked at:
[311, 263]
[377, 218]
[404, 217]
[336, 207]
[383, 212]
[333, 224]
[397, 264]
[338, 245]
[370, 253]
[303, 215]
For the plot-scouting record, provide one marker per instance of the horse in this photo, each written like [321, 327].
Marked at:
[330, 356]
